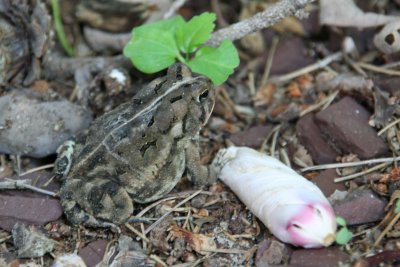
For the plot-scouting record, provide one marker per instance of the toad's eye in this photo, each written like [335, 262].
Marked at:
[203, 96]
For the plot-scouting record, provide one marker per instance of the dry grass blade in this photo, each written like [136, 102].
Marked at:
[387, 127]
[44, 167]
[151, 227]
[355, 175]
[349, 164]
[378, 69]
[319, 65]
[136, 232]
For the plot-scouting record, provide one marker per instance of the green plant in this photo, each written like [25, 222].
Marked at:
[344, 235]
[158, 45]
[60, 29]
[397, 208]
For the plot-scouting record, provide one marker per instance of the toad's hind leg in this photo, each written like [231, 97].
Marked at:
[98, 203]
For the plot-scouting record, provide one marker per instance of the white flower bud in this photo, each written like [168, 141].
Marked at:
[292, 208]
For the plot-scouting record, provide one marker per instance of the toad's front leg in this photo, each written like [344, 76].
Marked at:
[196, 172]
[96, 203]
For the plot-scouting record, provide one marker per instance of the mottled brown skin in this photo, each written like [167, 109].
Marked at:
[138, 151]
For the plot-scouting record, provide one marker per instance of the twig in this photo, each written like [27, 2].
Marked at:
[392, 65]
[151, 227]
[387, 127]
[174, 8]
[320, 64]
[217, 10]
[136, 232]
[268, 64]
[349, 164]
[325, 102]
[355, 175]
[24, 184]
[386, 230]
[225, 250]
[268, 17]
[44, 167]
[274, 140]
[354, 65]
[378, 69]
[140, 214]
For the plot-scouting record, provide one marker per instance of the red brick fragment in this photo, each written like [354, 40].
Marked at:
[346, 125]
[310, 136]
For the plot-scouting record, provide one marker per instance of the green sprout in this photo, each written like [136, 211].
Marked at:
[156, 46]
[344, 235]
[397, 208]
[60, 29]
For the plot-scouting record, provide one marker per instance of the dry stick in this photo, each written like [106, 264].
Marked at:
[391, 65]
[386, 230]
[378, 69]
[151, 227]
[48, 166]
[140, 214]
[324, 103]
[387, 127]
[268, 17]
[174, 8]
[24, 184]
[349, 164]
[319, 65]
[274, 140]
[221, 22]
[136, 232]
[355, 175]
[270, 59]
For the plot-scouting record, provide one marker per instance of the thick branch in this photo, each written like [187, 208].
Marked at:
[268, 17]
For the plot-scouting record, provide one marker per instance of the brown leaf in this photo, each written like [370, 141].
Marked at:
[392, 176]
[264, 95]
[199, 242]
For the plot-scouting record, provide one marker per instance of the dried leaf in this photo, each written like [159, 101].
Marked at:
[345, 13]
[294, 90]
[30, 242]
[264, 95]
[199, 242]
[392, 176]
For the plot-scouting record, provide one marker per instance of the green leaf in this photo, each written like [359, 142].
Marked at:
[153, 51]
[168, 25]
[397, 209]
[195, 32]
[343, 236]
[340, 221]
[216, 63]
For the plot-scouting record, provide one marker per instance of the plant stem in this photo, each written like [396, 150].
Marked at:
[60, 29]
[180, 58]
